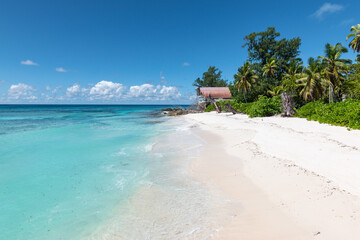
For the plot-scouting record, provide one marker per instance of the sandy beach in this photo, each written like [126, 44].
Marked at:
[292, 178]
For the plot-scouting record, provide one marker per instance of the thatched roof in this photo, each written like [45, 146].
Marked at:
[214, 92]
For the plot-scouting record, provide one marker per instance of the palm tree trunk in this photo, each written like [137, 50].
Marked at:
[331, 94]
[287, 104]
[244, 97]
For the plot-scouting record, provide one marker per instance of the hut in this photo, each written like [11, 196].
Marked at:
[208, 95]
[215, 93]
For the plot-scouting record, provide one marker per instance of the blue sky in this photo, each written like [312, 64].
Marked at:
[145, 51]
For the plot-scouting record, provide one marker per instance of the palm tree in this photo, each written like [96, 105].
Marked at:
[270, 68]
[293, 72]
[335, 67]
[244, 78]
[275, 91]
[355, 43]
[312, 82]
[358, 58]
[295, 67]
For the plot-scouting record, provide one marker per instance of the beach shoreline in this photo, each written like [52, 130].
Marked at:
[263, 165]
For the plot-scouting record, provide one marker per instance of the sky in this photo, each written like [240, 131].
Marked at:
[146, 52]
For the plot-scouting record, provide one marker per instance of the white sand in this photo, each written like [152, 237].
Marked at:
[294, 179]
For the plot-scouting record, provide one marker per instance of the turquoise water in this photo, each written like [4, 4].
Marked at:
[102, 172]
[63, 169]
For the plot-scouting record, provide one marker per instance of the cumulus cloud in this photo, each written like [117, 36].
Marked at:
[74, 90]
[56, 89]
[106, 90]
[152, 92]
[21, 91]
[101, 91]
[46, 97]
[145, 90]
[60, 69]
[162, 78]
[327, 8]
[169, 92]
[186, 64]
[29, 62]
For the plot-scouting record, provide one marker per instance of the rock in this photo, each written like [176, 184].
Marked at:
[167, 109]
[178, 112]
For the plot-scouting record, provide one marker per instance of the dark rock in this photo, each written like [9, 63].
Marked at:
[167, 109]
[178, 112]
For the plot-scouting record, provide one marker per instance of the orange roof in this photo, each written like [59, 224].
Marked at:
[215, 92]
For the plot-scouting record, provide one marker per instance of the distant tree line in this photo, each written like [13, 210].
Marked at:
[273, 67]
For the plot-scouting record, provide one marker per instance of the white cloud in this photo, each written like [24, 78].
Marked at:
[145, 90]
[60, 69]
[46, 97]
[21, 91]
[151, 92]
[56, 89]
[29, 62]
[347, 21]
[74, 90]
[327, 8]
[186, 64]
[106, 90]
[101, 91]
[162, 78]
[169, 92]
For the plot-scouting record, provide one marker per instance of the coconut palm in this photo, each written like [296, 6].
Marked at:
[244, 78]
[335, 67]
[312, 82]
[270, 68]
[355, 42]
[293, 72]
[295, 67]
[275, 91]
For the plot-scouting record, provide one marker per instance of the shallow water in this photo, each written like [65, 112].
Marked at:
[101, 172]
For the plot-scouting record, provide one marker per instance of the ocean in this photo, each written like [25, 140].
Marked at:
[101, 172]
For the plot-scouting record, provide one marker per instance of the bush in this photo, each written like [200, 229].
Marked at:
[262, 108]
[346, 113]
[221, 104]
[210, 108]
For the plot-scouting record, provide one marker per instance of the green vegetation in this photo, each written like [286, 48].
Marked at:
[211, 78]
[273, 67]
[245, 78]
[210, 108]
[355, 43]
[346, 113]
[264, 107]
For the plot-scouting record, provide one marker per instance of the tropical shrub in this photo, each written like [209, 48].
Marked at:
[263, 107]
[346, 113]
[210, 108]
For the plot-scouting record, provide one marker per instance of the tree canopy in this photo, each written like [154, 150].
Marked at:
[211, 78]
[267, 45]
[355, 42]
[273, 67]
